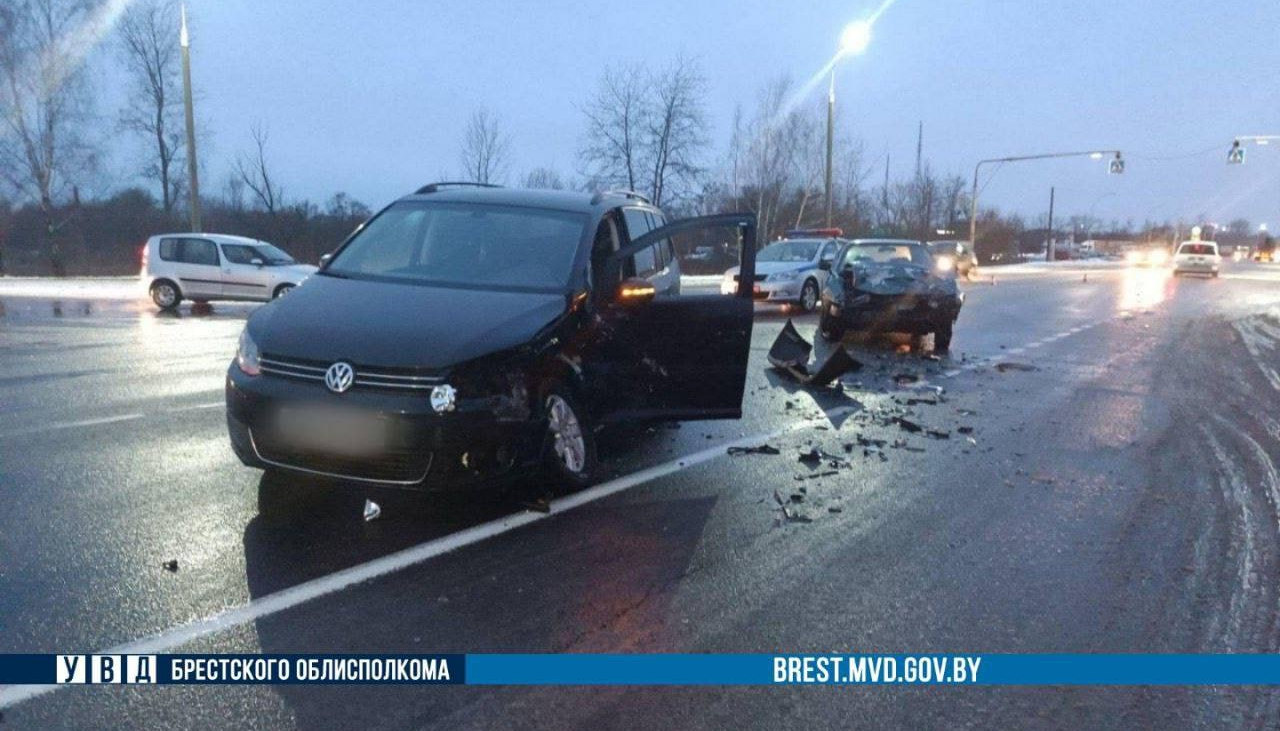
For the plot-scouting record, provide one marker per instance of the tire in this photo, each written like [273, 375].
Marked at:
[809, 296]
[282, 290]
[829, 327]
[942, 337]
[165, 294]
[570, 443]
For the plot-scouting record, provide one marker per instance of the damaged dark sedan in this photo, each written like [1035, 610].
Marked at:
[468, 332]
[890, 285]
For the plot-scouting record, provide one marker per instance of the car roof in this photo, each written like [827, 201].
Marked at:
[562, 200]
[220, 238]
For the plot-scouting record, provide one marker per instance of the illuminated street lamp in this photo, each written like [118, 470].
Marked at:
[853, 41]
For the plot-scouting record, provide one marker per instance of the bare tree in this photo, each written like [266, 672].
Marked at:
[147, 31]
[485, 148]
[45, 102]
[233, 192]
[544, 178]
[341, 205]
[675, 129]
[613, 148]
[254, 173]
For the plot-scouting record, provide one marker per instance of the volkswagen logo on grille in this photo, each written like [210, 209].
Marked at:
[339, 377]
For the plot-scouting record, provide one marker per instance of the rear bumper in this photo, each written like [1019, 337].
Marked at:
[1195, 268]
[423, 449]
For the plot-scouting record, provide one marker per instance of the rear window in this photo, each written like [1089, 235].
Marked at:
[1198, 249]
[189, 251]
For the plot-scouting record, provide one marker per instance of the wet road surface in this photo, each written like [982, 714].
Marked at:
[1120, 496]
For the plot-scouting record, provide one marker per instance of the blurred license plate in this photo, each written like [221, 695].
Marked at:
[332, 430]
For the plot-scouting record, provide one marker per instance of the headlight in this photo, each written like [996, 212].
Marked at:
[784, 276]
[248, 359]
[1133, 257]
[945, 263]
[444, 398]
[1159, 256]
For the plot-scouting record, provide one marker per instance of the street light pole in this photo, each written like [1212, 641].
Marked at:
[831, 124]
[973, 198]
[193, 183]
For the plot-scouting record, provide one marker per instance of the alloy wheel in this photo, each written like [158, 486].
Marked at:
[566, 433]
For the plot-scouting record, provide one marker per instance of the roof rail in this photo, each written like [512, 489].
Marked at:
[623, 193]
[434, 187]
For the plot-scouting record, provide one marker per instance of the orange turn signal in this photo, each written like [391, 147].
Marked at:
[635, 290]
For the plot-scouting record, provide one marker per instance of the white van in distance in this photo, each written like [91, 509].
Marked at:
[204, 267]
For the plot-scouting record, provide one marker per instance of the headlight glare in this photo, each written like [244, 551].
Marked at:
[248, 359]
[945, 263]
[444, 398]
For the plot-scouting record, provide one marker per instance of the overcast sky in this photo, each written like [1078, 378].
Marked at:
[371, 97]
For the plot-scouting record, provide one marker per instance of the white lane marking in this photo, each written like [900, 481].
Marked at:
[73, 424]
[295, 595]
[194, 407]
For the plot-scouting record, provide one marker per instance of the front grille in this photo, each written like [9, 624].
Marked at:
[367, 376]
[758, 277]
[393, 466]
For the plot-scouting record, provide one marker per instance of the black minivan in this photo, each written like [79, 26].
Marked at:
[466, 332]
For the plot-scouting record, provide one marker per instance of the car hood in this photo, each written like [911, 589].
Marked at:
[897, 278]
[398, 325]
[302, 270]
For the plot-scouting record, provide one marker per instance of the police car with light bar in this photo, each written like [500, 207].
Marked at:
[788, 271]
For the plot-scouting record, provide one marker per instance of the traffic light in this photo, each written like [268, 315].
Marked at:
[1235, 156]
[1117, 165]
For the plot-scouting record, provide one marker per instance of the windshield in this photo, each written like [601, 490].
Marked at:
[246, 253]
[888, 253]
[1198, 249]
[465, 244]
[796, 251]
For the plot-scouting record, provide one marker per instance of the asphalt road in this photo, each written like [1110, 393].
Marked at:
[1119, 497]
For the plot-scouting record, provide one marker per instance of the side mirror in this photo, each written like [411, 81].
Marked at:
[825, 265]
[257, 262]
[635, 291]
[846, 275]
[324, 259]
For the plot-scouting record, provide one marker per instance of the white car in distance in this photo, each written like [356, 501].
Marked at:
[1197, 257]
[204, 267]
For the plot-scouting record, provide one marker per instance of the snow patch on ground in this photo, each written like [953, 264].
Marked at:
[1045, 267]
[96, 288]
[1261, 336]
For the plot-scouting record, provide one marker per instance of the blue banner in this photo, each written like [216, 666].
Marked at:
[644, 669]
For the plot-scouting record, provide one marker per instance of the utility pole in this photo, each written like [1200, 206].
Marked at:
[193, 182]
[831, 123]
[919, 147]
[1049, 247]
[1116, 166]
[884, 192]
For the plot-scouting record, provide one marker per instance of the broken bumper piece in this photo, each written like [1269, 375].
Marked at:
[790, 355]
